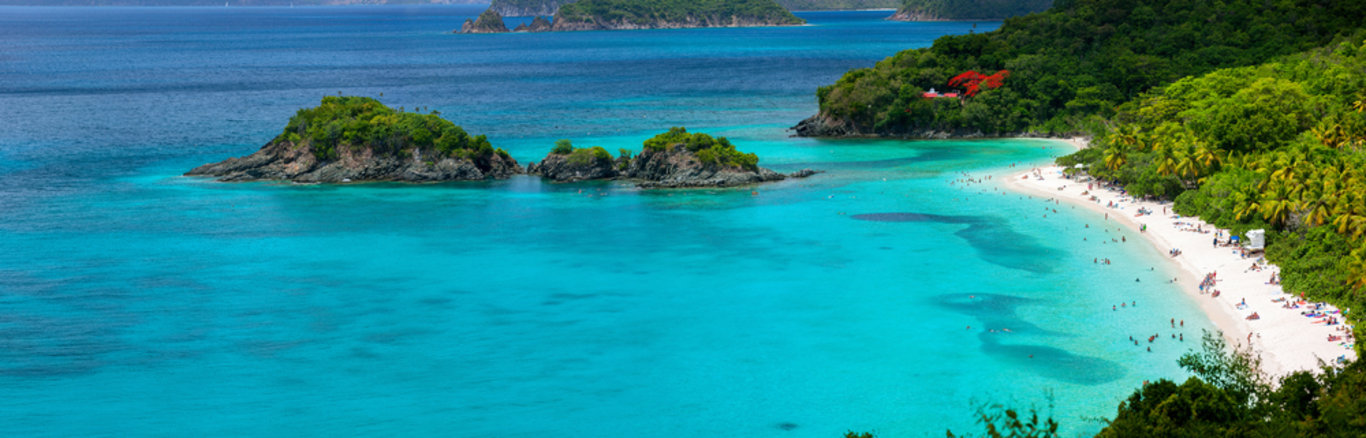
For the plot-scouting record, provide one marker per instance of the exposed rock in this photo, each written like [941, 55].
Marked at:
[582, 164]
[538, 24]
[916, 15]
[821, 126]
[284, 160]
[677, 167]
[488, 22]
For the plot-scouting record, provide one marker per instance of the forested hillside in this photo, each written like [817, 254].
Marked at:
[1069, 66]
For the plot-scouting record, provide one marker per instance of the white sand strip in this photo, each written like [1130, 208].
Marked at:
[1286, 339]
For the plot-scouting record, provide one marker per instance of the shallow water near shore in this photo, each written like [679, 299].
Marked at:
[880, 295]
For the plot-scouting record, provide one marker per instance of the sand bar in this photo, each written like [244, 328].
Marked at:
[1286, 338]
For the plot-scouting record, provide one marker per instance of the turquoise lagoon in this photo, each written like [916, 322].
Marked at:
[135, 302]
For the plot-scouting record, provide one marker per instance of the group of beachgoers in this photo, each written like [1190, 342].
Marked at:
[1178, 336]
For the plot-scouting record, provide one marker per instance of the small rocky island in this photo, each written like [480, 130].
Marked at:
[670, 14]
[488, 22]
[538, 24]
[674, 159]
[358, 139]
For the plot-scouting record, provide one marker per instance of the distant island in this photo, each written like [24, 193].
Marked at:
[632, 14]
[670, 14]
[673, 159]
[357, 139]
[946, 10]
[532, 8]
[488, 22]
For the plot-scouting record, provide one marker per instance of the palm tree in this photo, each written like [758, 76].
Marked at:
[1355, 264]
[1278, 204]
[1166, 159]
[1130, 136]
[1116, 156]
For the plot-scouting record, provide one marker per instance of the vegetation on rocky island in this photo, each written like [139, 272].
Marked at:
[1071, 65]
[581, 156]
[365, 123]
[709, 150]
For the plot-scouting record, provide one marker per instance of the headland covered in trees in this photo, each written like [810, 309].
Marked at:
[1069, 66]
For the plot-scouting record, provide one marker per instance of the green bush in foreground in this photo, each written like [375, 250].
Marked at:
[1228, 396]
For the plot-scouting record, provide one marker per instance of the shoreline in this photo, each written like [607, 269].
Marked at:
[1285, 340]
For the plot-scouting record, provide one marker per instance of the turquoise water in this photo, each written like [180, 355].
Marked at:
[135, 302]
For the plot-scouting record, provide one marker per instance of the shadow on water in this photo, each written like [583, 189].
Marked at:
[925, 156]
[997, 313]
[991, 237]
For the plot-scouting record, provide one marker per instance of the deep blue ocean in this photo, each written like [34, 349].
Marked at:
[873, 297]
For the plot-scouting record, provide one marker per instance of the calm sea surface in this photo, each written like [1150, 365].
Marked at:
[136, 302]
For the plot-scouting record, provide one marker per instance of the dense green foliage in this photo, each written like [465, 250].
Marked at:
[646, 12]
[1073, 63]
[1228, 396]
[581, 157]
[971, 9]
[1276, 146]
[364, 123]
[709, 150]
[562, 147]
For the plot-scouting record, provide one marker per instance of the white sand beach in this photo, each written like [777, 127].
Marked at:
[1286, 339]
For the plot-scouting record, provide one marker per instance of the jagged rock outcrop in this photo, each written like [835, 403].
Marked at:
[914, 15]
[488, 22]
[677, 167]
[288, 161]
[538, 24]
[821, 126]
